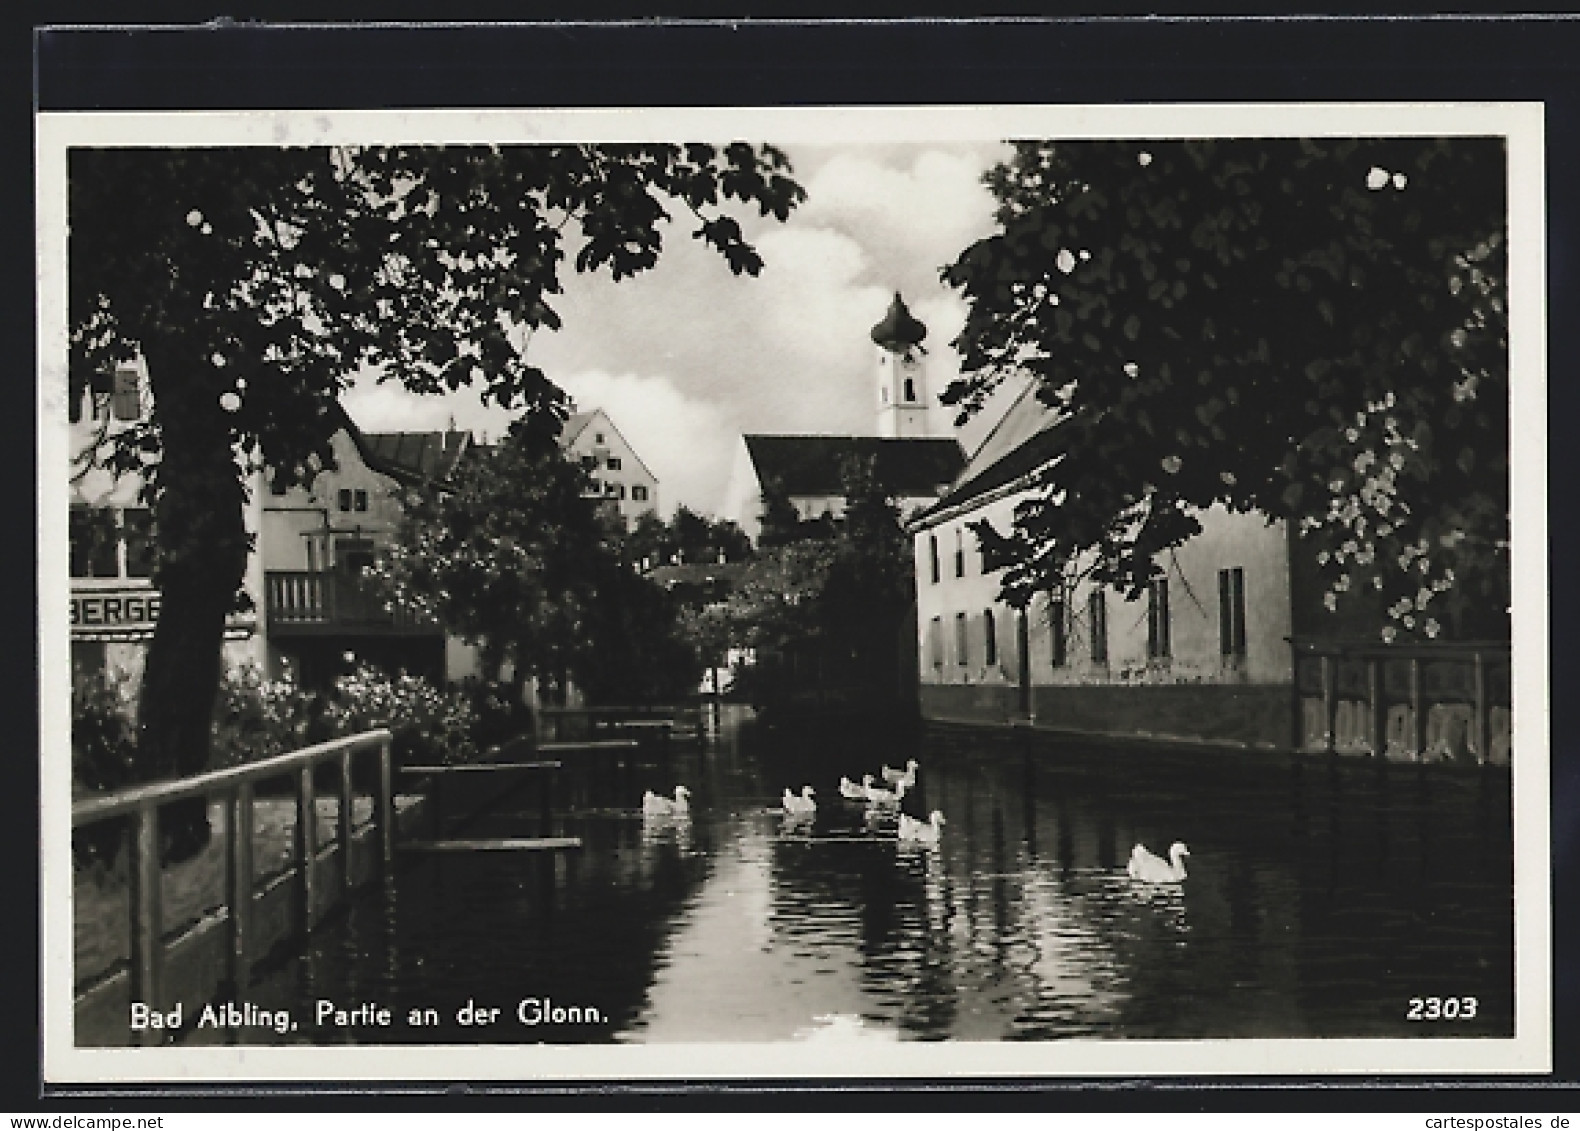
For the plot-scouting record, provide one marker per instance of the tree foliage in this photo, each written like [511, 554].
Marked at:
[688, 537]
[257, 282]
[1314, 329]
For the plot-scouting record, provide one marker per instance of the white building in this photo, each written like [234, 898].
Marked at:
[619, 476]
[912, 466]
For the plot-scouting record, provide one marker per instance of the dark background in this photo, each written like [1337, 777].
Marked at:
[66, 57]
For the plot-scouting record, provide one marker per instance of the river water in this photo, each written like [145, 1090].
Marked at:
[1319, 901]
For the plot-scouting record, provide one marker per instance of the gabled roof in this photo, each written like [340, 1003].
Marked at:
[577, 423]
[425, 455]
[812, 465]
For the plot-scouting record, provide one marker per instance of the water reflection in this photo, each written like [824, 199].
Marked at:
[1318, 901]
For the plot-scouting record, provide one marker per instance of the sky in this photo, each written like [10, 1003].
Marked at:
[687, 357]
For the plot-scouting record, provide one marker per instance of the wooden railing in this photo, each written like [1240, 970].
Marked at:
[328, 599]
[1420, 676]
[140, 806]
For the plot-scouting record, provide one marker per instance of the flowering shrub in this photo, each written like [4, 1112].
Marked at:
[256, 718]
[103, 730]
[428, 723]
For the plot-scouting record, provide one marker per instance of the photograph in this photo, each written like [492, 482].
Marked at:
[828, 592]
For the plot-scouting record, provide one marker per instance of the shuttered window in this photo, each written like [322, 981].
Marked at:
[1059, 632]
[1231, 611]
[1097, 617]
[1158, 644]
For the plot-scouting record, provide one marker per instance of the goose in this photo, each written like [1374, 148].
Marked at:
[922, 832]
[854, 791]
[876, 796]
[655, 806]
[907, 775]
[1155, 870]
[802, 806]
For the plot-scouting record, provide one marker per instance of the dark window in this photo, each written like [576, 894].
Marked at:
[1158, 620]
[138, 529]
[589, 462]
[1097, 615]
[353, 555]
[619, 490]
[359, 500]
[910, 389]
[614, 463]
[932, 556]
[639, 493]
[962, 645]
[597, 437]
[1060, 633]
[935, 641]
[127, 403]
[1231, 611]
[989, 637]
[93, 538]
[344, 498]
[960, 553]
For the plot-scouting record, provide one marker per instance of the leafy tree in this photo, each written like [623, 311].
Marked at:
[1315, 329]
[507, 554]
[256, 282]
[686, 537]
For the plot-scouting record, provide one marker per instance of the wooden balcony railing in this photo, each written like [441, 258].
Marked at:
[317, 601]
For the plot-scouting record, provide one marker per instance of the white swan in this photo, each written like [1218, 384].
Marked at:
[922, 832]
[1154, 869]
[802, 806]
[655, 806]
[854, 791]
[876, 796]
[907, 775]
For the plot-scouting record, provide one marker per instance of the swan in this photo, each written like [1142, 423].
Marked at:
[802, 806]
[876, 796]
[1155, 870]
[922, 832]
[655, 806]
[907, 775]
[854, 791]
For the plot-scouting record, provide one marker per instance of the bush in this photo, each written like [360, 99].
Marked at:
[257, 718]
[428, 724]
[103, 731]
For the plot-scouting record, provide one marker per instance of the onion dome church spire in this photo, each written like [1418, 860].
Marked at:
[902, 387]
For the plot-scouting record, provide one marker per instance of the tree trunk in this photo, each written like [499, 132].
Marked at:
[203, 548]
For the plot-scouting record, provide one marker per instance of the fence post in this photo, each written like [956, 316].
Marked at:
[1377, 702]
[1417, 710]
[384, 807]
[306, 845]
[238, 885]
[1482, 732]
[1330, 705]
[144, 903]
[346, 814]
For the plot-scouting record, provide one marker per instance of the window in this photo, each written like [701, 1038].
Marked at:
[1097, 616]
[619, 490]
[138, 530]
[1231, 611]
[94, 541]
[932, 557]
[359, 500]
[344, 498]
[935, 641]
[639, 493]
[597, 437]
[910, 389]
[960, 552]
[1158, 620]
[614, 463]
[353, 555]
[1059, 632]
[589, 462]
[127, 401]
[989, 638]
[962, 645]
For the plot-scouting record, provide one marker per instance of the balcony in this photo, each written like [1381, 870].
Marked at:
[317, 603]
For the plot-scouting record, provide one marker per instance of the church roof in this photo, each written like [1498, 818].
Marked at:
[812, 465]
[426, 455]
[899, 330]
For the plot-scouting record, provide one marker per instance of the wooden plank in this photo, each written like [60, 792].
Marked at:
[496, 844]
[306, 839]
[144, 902]
[477, 766]
[238, 889]
[596, 744]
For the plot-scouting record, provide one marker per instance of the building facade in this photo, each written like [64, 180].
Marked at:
[114, 604]
[627, 485]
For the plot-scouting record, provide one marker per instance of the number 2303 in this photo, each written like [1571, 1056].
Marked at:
[1441, 1009]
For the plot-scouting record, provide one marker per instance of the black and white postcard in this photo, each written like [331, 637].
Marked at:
[870, 592]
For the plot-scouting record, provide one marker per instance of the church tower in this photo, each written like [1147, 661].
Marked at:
[902, 385]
